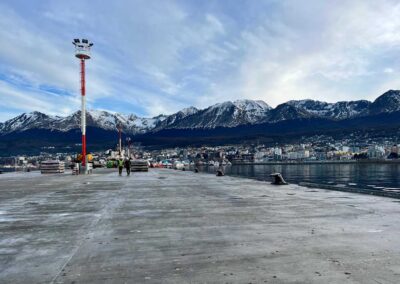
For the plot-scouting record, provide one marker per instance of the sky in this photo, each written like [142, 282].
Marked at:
[158, 56]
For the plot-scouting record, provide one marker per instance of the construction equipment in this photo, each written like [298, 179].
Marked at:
[88, 156]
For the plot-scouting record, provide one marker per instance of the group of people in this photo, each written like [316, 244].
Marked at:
[124, 163]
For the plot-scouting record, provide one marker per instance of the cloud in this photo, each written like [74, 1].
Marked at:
[319, 50]
[28, 99]
[152, 57]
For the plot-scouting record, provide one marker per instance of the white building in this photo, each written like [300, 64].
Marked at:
[345, 149]
[299, 155]
[376, 152]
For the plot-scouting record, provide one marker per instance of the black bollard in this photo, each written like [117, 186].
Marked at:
[277, 179]
[196, 170]
[220, 173]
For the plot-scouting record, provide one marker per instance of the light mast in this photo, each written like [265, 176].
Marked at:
[82, 52]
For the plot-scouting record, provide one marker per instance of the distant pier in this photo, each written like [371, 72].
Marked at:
[167, 226]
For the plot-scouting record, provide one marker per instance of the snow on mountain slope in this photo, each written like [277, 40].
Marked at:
[173, 118]
[189, 111]
[129, 123]
[388, 102]
[339, 110]
[26, 121]
[101, 119]
[226, 114]
[286, 111]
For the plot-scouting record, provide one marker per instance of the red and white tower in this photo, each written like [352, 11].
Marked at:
[82, 52]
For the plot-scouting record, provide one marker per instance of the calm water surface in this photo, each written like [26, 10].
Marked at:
[366, 176]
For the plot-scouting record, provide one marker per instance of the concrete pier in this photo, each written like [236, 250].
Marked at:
[169, 226]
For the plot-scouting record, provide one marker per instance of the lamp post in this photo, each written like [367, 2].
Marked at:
[120, 139]
[128, 140]
[82, 52]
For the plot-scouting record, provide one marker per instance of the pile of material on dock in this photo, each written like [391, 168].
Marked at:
[52, 167]
[139, 166]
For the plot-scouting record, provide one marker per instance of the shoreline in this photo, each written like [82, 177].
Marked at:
[321, 162]
[346, 188]
[349, 189]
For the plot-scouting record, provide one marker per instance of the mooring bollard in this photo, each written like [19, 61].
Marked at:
[220, 173]
[278, 179]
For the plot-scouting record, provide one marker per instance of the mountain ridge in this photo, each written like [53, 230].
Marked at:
[226, 114]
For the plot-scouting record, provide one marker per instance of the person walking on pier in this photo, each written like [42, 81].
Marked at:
[120, 166]
[128, 166]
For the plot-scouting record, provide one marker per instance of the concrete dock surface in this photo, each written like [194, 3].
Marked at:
[169, 226]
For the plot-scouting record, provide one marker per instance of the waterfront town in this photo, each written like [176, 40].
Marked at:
[311, 149]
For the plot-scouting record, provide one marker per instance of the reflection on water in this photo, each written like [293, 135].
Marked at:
[359, 175]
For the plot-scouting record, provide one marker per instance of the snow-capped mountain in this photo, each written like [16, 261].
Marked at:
[27, 121]
[286, 112]
[100, 119]
[173, 118]
[388, 102]
[129, 123]
[339, 110]
[227, 114]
